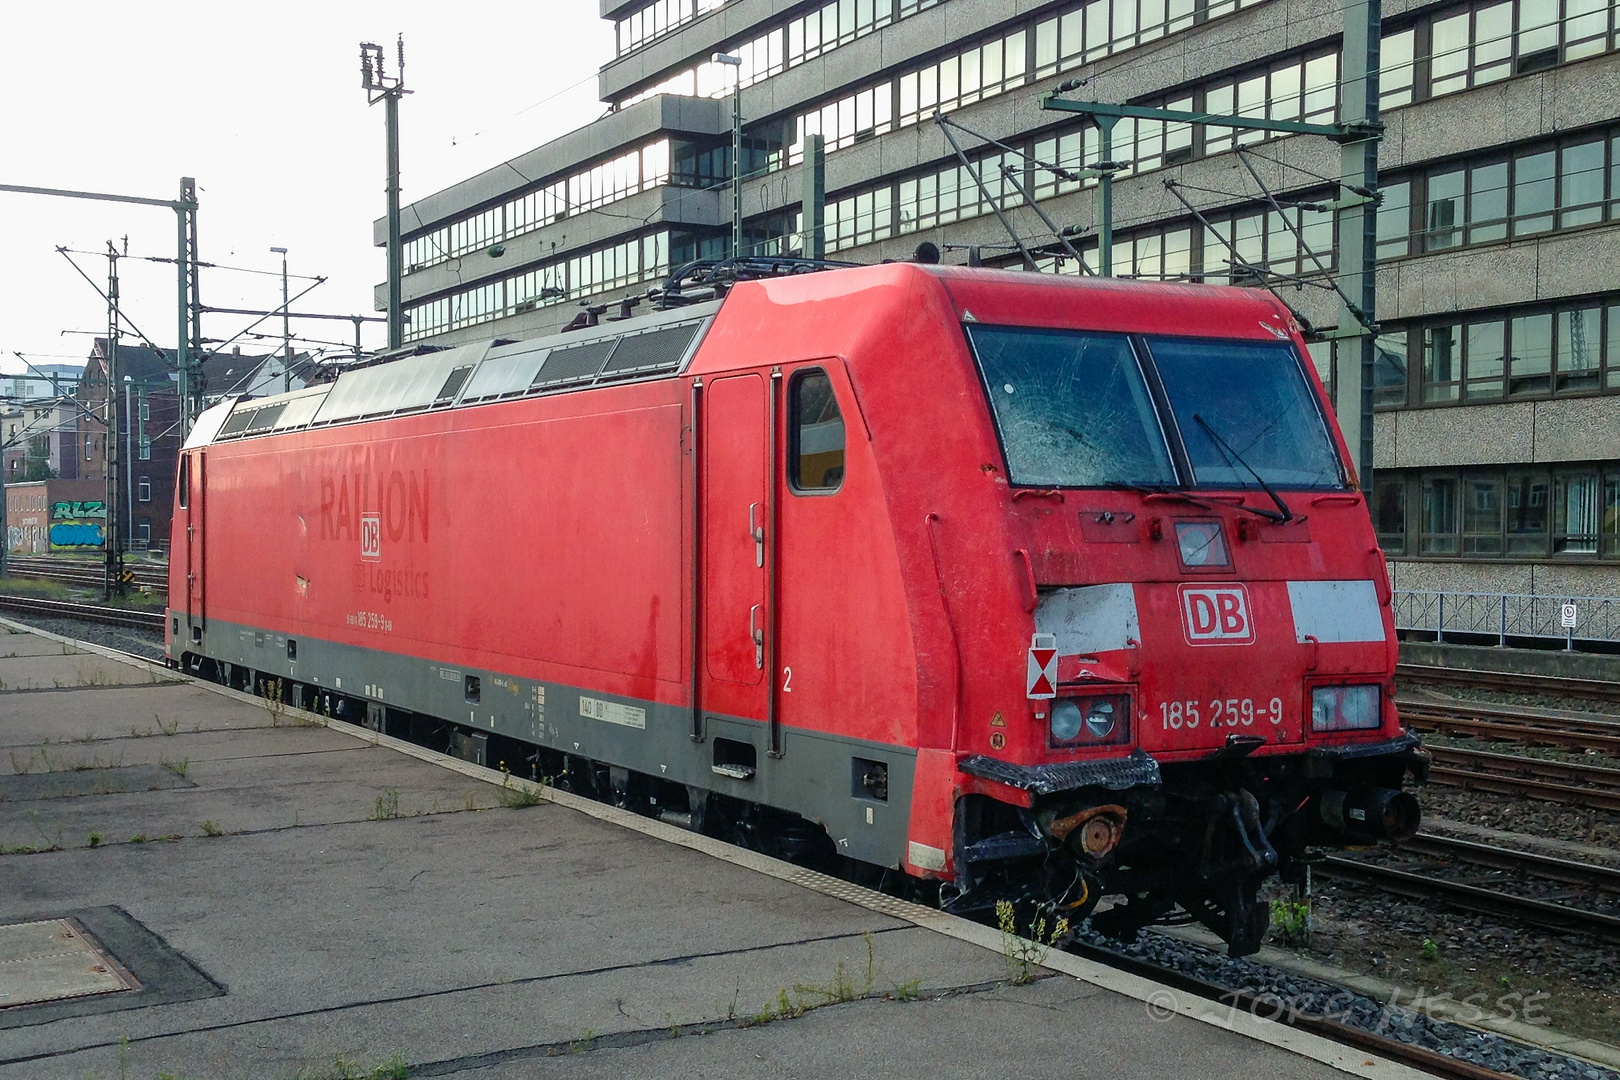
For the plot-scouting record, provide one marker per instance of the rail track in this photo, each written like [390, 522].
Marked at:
[1508, 723]
[70, 571]
[1568, 871]
[1509, 682]
[1267, 1005]
[1496, 902]
[58, 609]
[1567, 782]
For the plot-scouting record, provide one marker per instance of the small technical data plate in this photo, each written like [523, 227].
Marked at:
[52, 960]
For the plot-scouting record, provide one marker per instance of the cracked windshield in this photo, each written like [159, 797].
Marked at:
[1073, 408]
[1244, 409]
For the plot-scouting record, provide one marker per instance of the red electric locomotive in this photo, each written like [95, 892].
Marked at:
[1039, 588]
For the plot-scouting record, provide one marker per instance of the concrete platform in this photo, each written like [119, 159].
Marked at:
[282, 893]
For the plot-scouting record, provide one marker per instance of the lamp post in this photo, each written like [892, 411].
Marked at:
[286, 326]
[735, 62]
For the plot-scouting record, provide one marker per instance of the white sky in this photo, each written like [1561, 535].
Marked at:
[262, 104]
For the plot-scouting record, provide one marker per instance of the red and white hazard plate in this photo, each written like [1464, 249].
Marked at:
[1043, 665]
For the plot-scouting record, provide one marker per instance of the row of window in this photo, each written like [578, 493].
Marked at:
[1536, 190]
[614, 266]
[1525, 353]
[639, 170]
[657, 19]
[1532, 190]
[1567, 511]
[802, 38]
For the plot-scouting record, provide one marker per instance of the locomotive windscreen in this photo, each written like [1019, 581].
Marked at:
[1074, 410]
[1242, 406]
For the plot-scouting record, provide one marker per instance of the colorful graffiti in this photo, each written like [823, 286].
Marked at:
[77, 525]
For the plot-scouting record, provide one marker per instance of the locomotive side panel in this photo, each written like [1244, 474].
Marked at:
[545, 546]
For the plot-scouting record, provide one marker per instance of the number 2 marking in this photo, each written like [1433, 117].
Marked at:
[787, 680]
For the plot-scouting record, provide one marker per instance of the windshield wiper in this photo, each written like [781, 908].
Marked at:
[1282, 514]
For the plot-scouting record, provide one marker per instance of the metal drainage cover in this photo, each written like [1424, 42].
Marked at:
[52, 960]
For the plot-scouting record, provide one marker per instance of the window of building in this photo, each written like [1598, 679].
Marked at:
[89, 446]
[1442, 363]
[1530, 363]
[816, 431]
[145, 406]
[1482, 516]
[1527, 513]
[145, 448]
[1390, 369]
[1575, 513]
[1389, 512]
[1439, 517]
[143, 489]
[143, 532]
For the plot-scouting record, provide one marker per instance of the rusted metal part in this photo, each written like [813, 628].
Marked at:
[1100, 828]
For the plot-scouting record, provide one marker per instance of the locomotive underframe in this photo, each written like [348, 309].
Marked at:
[1195, 847]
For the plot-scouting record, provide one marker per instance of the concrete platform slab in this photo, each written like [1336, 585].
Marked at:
[359, 899]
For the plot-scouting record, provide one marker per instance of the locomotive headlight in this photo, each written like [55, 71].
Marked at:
[1345, 708]
[1067, 720]
[1082, 721]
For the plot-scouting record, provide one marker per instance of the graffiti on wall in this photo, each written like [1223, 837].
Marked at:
[76, 526]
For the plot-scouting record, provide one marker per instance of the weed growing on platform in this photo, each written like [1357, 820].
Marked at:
[94, 839]
[1026, 955]
[169, 728]
[179, 768]
[1292, 918]
[514, 797]
[344, 1069]
[273, 701]
[210, 828]
[386, 806]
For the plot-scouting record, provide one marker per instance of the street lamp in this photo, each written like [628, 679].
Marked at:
[286, 325]
[736, 149]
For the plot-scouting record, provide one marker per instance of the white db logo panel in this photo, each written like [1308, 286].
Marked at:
[1216, 614]
[371, 536]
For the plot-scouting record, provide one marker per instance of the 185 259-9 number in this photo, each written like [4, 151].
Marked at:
[1219, 712]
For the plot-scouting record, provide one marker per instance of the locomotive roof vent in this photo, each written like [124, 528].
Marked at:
[652, 346]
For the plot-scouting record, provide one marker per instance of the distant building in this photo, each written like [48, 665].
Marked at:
[55, 516]
[149, 437]
[235, 374]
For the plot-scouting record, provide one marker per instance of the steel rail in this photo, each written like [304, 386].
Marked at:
[1278, 1011]
[1543, 913]
[1554, 685]
[1508, 724]
[1532, 863]
[1509, 774]
[144, 620]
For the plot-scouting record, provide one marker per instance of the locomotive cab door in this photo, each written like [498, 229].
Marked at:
[190, 489]
[738, 540]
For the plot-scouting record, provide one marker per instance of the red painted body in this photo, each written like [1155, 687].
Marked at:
[551, 538]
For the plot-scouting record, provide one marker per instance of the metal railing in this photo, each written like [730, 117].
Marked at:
[1508, 615]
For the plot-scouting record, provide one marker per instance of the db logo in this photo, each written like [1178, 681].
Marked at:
[1216, 615]
[371, 536]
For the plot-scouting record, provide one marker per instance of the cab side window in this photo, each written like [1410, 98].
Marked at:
[183, 481]
[815, 434]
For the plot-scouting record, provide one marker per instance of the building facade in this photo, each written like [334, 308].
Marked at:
[148, 403]
[1497, 438]
[60, 517]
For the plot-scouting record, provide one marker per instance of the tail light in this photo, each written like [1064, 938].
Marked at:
[1345, 708]
[1102, 720]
